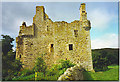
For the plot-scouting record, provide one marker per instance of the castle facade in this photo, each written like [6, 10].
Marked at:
[55, 40]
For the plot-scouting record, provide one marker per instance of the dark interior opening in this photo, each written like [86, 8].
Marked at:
[51, 45]
[83, 11]
[20, 56]
[52, 48]
[76, 33]
[70, 46]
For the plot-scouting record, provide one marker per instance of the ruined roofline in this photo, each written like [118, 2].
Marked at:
[41, 9]
[67, 22]
[81, 5]
[54, 22]
[24, 24]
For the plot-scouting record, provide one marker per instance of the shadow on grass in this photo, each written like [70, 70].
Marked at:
[87, 76]
[109, 69]
[103, 70]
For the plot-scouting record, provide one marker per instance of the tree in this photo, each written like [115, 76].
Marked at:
[6, 44]
[6, 47]
[104, 57]
[9, 64]
[40, 65]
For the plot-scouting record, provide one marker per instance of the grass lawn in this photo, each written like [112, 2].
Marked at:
[112, 74]
[49, 76]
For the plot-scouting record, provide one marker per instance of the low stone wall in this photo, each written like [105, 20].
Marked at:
[73, 73]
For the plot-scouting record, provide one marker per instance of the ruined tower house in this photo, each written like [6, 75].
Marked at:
[56, 40]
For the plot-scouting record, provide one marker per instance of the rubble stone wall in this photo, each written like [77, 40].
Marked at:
[56, 40]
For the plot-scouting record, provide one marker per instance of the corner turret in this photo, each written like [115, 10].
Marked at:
[83, 18]
[40, 14]
[83, 14]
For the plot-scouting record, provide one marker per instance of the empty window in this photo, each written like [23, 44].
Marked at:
[47, 29]
[76, 33]
[83, 11]
[70, 46]
[20, 56]
[51, 45]
[51, 48]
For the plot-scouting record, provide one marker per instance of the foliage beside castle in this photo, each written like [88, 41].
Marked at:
[57, 40]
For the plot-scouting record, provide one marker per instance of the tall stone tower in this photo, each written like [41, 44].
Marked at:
[87, 26]
[56, 40]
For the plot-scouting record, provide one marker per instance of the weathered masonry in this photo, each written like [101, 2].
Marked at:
[57, 40]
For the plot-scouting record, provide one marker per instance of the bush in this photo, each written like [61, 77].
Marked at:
[59, 68]
[47, 77]
[25, 78]
[66, 64]
[62, 71]
[40, 65]
[12, 70]
[100, 62]
[104, 57]
[51, 74]
[26, 72]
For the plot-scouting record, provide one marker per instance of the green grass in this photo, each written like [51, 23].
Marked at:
[112, 74]
[25, 78]
[49, 76]
[52, 74]
[41, 77]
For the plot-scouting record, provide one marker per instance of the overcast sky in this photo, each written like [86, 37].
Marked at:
[103, 17]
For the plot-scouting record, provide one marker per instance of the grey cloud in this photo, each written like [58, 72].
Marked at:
[13, 12]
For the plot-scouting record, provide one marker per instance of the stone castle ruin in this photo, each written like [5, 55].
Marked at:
[57, 40]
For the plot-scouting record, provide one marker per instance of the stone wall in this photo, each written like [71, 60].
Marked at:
[56, 40]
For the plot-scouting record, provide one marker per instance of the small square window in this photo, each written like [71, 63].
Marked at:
[70, 46]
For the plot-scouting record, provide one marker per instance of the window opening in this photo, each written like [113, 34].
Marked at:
[20, 56]
[76, 33]
[70, 46]
[83, 11]
[47, 28]
[51, 45]
[51, 48]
